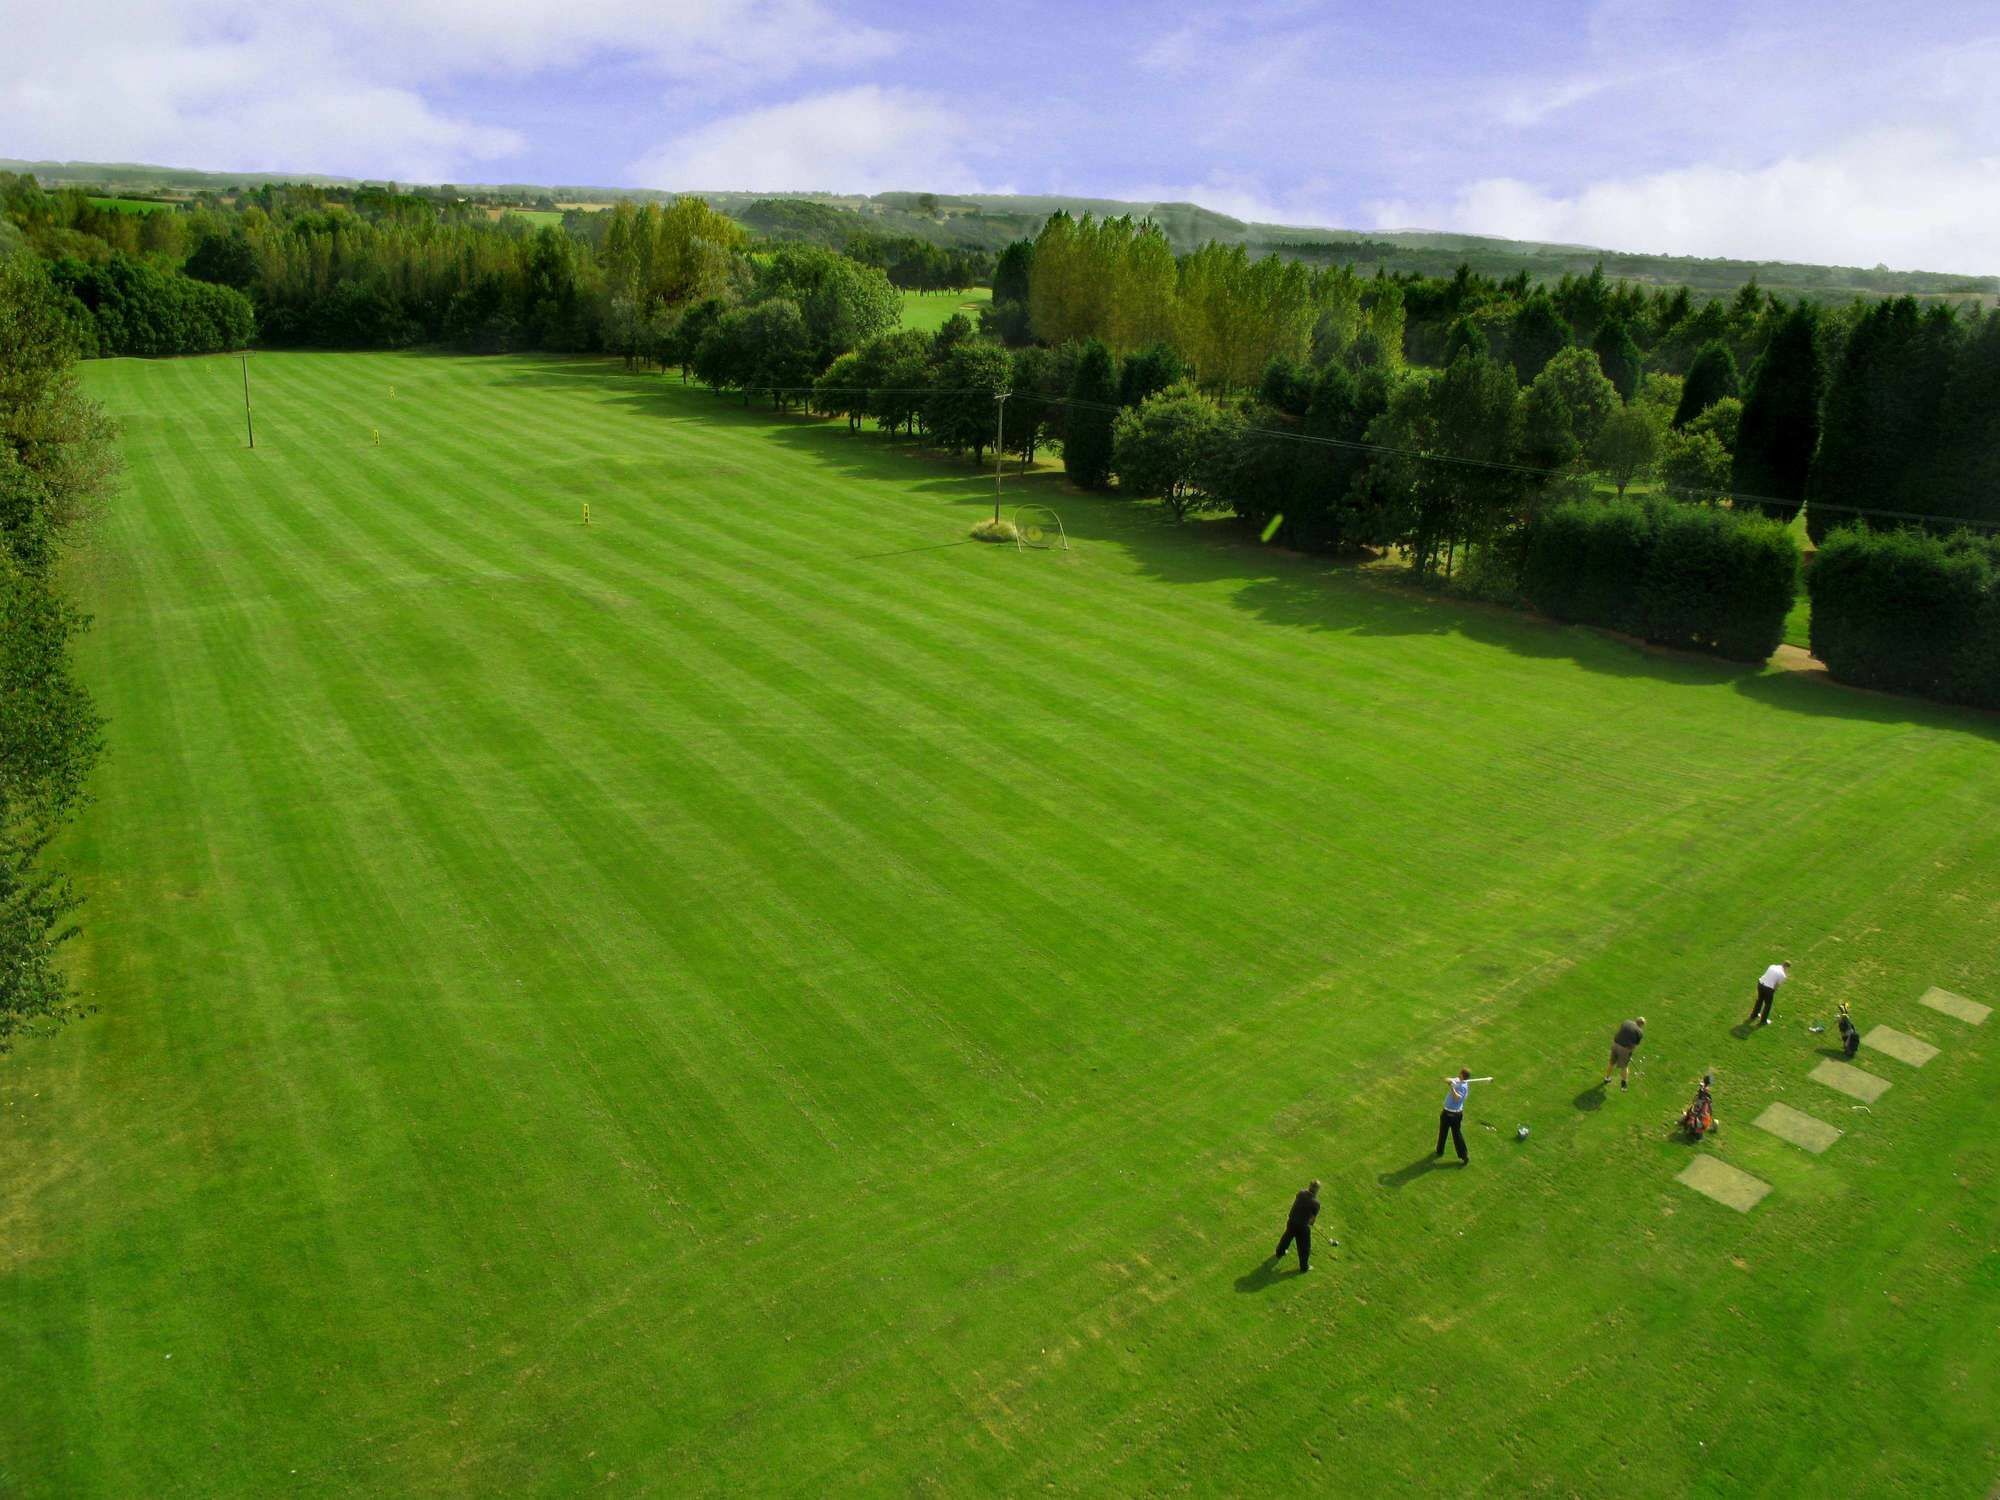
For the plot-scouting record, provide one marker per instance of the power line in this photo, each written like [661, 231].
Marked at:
[1419, 455]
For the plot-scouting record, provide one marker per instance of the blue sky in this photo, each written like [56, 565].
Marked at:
[1809, 131]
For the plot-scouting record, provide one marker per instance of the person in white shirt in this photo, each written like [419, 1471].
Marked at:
[1767, 988]
[1451, 1121]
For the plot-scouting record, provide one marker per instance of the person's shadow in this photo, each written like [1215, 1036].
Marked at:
[1741, 1030]
[1591, 1098]
[1416, 1169]
[1267, 1274]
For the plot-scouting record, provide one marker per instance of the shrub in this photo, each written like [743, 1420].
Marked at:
[990, 530]
[1699, 579]
[1583, 560]
[1909, 612]
[1718, 582]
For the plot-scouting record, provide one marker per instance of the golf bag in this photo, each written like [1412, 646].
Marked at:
[1699, 1117]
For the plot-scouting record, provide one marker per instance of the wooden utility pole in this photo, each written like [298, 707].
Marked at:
[999, 448]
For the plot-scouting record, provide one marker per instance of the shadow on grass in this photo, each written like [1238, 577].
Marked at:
[1269, 1273]
[1591, 1098]
[1284, 588]
[1741, 1030]
[1403, 1176]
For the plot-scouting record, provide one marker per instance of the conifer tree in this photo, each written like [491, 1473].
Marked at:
[1087, 444]
[1779, 432]
[1711, 377]
[1618, 353]
[1539, 334]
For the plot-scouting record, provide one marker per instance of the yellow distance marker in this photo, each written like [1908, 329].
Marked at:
[586, 513]
[1271, 526]
[375, 436]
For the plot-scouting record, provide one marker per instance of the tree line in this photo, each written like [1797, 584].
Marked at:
[56, 464]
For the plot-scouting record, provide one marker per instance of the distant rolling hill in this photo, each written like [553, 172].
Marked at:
[988, 222]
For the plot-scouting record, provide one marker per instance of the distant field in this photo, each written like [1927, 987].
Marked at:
[928, 311]
[535, 216]
[131, 205]
[761, 995]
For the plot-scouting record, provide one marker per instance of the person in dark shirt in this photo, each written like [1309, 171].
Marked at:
[1299, 1226]
[1623, 1043]
[1850, 1038]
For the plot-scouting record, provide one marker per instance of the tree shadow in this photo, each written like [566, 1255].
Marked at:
[1268, 1273]
[1289, 589]
[1591, 1098]
[1403, 1176]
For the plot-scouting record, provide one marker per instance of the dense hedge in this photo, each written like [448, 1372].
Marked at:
[1679, 575]
[1910, 613]
[126, 306]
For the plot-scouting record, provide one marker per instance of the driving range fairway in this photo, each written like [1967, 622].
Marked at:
[760, 994]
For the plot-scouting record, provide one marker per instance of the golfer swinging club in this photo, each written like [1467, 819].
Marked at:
[1767, 990]
[1452, 1121]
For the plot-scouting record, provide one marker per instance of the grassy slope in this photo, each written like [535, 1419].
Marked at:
[929, 310]
[730, 998]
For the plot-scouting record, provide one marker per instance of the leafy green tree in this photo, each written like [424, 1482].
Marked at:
[1322, 514]
[963, 411]
[685, 332]
[1721, 419]
[842, 390]
[1149, 371]
[1694, 466]
[1452, 481]
[1627, 445]
[1088, 439]
[1039, 380]
[224, 258]
[1575, 376]
[1618, 353]
[844, 304]
[955, 330]
[1545, 434]
[1165, 447]
[1711, 377]
[56, 463]
[1287, 386]
[1779, 432]
[1538, 335]
[897, 369]
[1465, 337]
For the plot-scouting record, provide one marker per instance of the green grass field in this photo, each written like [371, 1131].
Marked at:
[131, 205]
[759, 995]
[928, 311]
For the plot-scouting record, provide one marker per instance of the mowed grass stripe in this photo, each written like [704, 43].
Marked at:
[1498, 834]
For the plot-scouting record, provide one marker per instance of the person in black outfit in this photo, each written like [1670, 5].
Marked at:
[1850, 1039]
[1299, 1226]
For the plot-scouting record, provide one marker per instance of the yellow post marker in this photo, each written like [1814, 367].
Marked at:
[586, 513]
[392, 390]
[375, 436]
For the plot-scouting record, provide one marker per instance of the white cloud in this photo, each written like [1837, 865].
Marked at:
[349, 86]
[867, 139]
[1911, 199]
